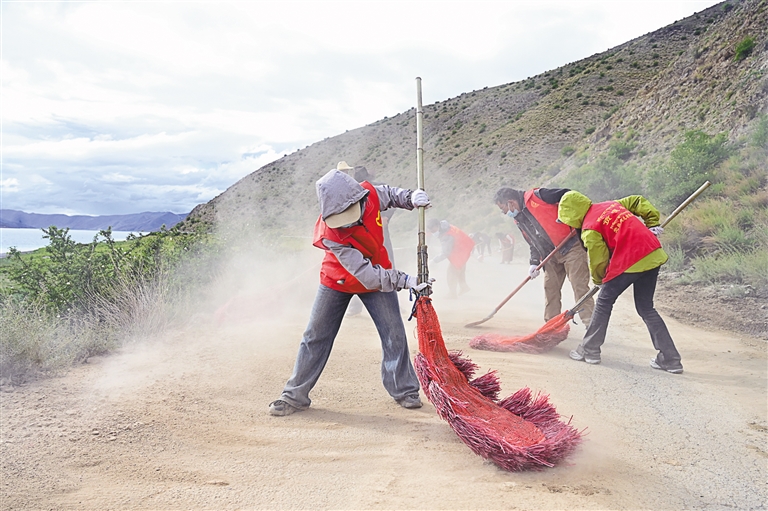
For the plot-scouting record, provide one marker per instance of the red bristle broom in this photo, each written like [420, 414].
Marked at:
[521, 432]
[556, 329]
[544, 339]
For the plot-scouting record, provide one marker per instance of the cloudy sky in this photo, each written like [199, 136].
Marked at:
[122, 107]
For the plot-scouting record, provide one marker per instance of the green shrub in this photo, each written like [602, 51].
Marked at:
[759, 137]
[605, 179]
[676, 260]
[567, 150]
[621, 149]
[744, 48]
[733, 267]
[69, 301]
[690, 164]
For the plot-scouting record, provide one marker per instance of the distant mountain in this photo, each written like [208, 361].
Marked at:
[143, 222]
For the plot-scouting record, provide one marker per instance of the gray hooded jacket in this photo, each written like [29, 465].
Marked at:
[336, 191]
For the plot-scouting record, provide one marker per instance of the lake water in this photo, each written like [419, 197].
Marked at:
[31, 239]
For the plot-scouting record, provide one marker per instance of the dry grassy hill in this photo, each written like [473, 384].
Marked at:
[680, 77]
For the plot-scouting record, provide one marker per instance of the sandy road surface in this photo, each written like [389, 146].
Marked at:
[181, 422]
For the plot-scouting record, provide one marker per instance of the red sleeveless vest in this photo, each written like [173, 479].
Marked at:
[462, 247]
[368, 238]
[546, 215]
[627, 237]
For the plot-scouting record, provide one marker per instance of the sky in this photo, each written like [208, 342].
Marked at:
[113, 107]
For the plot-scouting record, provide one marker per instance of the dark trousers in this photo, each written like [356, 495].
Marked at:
[644, 287]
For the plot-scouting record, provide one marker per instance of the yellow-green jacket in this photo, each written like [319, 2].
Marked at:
[572, 210]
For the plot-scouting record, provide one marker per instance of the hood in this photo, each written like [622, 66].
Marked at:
[572, 209]
[337, 191]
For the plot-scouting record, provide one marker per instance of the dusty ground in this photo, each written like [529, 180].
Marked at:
[181, 422]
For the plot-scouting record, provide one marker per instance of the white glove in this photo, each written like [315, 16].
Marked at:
[419, 198]
[533, 271]
[411, 282]
[658, 230]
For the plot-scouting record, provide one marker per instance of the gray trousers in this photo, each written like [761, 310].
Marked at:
[397, 373]
[644, 287]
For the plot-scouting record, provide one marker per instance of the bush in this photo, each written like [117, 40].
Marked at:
[567, 150]
[733, 267]
[759, 137]
[621, 149]
[606, 179]
[70, 301]
[690, 164]
[676, 260]
[744, 48]
[30, 341]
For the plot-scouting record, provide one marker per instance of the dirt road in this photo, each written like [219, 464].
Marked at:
[181, 422]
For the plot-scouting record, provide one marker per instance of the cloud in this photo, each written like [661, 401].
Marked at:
[163, 105]
[10, 185]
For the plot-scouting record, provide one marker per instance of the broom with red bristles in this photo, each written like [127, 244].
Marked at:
[523, 431]
[544, 339]
[556, 329]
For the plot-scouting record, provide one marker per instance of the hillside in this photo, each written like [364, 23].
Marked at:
[528, 133]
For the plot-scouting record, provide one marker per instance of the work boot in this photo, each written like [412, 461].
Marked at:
[410, 401]
[670, 367]
[578, 354]
[281, 408]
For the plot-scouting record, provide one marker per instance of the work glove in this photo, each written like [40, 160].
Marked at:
[411, 282]
[533, 271]
[420, 198]
[657, 231]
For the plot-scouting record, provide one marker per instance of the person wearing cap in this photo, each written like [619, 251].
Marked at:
[456, 246]
[535, 214]
[623, 251]
[356, 262]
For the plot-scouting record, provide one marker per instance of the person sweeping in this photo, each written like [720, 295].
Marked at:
[535, 214]
[457, 246]
[623, 251]
[356, 262]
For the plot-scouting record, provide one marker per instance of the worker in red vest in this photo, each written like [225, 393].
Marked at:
[535, 214]
[356, 262]
[456, 246]
[623, 251]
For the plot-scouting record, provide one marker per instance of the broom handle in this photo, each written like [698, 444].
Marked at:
[540, 266]
[686, 202]
[524, 282]
[421, 253]
[573, 310]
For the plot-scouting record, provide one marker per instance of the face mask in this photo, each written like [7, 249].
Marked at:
[512, 214]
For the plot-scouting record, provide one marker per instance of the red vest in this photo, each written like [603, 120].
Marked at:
[627, 237]
[462, 247]
[367, 238]
[546, 215]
